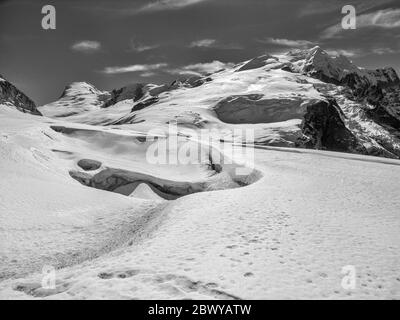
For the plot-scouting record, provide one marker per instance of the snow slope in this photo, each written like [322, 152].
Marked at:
[288, 235]
[43, 208]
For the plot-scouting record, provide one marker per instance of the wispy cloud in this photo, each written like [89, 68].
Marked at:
[200, 69]
[160, 5]
[288, 43]
[86, 46]
[316, 7]
[132, 8]
[204, 43]
[213, 43]
[384, 19]
[344, 52]
[350, 53]
[381, 51]
[141, 47]
[145, 68]
[148, 74]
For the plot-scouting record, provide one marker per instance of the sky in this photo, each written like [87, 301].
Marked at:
[112, 43]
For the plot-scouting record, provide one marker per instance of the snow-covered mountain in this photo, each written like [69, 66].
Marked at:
[81, 204]
[305, 98]
[78, 97]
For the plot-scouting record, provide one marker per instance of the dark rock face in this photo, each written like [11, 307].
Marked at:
[385, 99]
[9, 94]
[323, 128]
[134, 92]
[145, 103]
[386, 77]
[196, 81]
[381, 115]
[191, 82]
[386, 102]
[146, 96]
[321, 76]
[377, 91]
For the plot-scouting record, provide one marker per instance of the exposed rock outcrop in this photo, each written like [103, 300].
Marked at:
[323, 128]
[89, 164]
[134, 92]
[11, 95]
[145, 103]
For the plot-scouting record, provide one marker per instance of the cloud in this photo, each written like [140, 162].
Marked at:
[317, 7]
[384, 19]
[145, 68]
[86, 46]
[140, 47]
[288, 43]
[343, 52]
[362, 52]
[199, 69]
[148, 70]
[204, 43]
[132, 8]
[212, 43]
[147, 74]
[161, 5]
[381, 51]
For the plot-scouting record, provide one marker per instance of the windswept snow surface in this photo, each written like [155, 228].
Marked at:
[287, 235]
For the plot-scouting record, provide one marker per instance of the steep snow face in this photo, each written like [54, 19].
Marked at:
[385, 77]
[10, 96]
[77, 98]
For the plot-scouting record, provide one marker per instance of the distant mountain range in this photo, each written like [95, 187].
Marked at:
[304, 98]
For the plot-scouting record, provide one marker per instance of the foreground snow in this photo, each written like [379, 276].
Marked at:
[287, 235]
